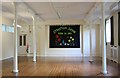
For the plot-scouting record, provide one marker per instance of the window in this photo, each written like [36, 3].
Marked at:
[112, 30]
[3, 27]
[11, 29]
[108, 30]
[20, 40]
[24, 40]
[6, 28]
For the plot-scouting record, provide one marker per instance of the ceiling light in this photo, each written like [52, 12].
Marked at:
[18, 26]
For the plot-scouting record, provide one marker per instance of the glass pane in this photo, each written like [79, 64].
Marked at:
[20, 40]
[3, 28]
[108, 31]
[7, 28]
[10, 29]
[24, 40]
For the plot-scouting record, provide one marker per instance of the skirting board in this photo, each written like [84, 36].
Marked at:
[57, 55]
[6, 58]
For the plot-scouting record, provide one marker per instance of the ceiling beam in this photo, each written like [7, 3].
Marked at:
[33, 11]
[57, 13]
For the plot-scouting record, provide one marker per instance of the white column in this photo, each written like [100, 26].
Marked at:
[15, 59]
[103, 41]
[29, 38]
[91, 57]
[34, 40]
[100, 37]
[1, 45]
[28, 41]
[82, 40]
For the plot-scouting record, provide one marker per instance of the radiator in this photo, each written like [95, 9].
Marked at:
[114, 54]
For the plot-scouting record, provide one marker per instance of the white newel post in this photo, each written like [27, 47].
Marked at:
[103, 41]
[34, 40]
[15, 58]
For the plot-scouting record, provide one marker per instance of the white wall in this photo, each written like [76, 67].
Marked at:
[7, 40]
[86, 41]
[115, 17]
[42, 40]
[0, 39]
[7, 45]
[95, 40]
[42, 37]
[38, 39]
[42, 32]
[0, 44]
[56, 52]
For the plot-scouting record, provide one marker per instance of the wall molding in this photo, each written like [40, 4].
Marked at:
[59, 55]
[6, 58]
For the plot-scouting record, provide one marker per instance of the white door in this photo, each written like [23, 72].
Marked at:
[23, 45]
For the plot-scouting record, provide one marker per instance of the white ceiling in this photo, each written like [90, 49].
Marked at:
[61, 10]
[49, 10]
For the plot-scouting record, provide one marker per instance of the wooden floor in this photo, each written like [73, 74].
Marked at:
[65, 66]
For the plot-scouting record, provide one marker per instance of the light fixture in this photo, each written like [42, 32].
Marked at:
[18, 26]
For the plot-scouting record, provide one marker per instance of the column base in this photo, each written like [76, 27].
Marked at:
[15, 71]
[34, 60]
[91, 61]
[104, 72]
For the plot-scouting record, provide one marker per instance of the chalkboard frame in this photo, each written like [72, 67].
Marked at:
[73, 33]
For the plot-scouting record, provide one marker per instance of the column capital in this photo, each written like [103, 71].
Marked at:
[33, 18]
[34, 15]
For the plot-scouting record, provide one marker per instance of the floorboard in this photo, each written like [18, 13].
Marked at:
[58, 66]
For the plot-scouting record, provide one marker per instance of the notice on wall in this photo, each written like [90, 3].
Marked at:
[65, 36]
